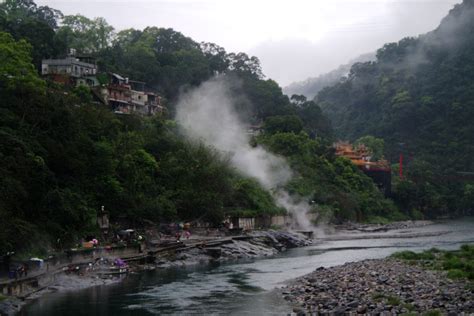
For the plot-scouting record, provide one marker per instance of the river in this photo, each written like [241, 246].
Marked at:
[239, 288]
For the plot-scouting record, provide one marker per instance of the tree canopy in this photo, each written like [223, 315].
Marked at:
[417, 97]
[63, 156]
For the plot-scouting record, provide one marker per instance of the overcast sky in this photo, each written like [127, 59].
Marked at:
[294, 39]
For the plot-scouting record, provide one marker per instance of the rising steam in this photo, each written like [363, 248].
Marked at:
[207, 114]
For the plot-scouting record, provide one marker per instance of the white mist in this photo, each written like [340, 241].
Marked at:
[206, 114]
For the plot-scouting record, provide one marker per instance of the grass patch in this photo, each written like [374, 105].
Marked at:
[389, 299]
[393, 300]
[408, 307]
[410, 255]
[456, 274]
[433, 313]
[378, 297]
[459, 264]
[3, 297]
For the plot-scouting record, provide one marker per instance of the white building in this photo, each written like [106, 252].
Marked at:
[71, 66]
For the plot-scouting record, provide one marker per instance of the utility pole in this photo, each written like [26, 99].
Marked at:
[400, 163]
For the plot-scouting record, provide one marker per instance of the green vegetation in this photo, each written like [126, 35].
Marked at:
[334, 185]
[63, 156]
[459, 264]
[374, 144]
[418, 97]
[388, 299]
[408, 307]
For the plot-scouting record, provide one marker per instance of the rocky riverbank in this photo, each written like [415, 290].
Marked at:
[256, 244]
[378, 287]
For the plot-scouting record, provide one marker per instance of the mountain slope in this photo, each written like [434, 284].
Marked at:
[419, 91]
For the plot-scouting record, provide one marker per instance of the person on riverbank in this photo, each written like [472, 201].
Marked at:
[20, 270]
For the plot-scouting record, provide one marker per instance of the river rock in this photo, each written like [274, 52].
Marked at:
[382, 286]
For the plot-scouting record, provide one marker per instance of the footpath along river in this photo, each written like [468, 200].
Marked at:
[240, 288]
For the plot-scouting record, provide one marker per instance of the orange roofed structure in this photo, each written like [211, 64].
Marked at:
[379, 171]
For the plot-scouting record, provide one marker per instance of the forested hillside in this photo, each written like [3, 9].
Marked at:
[63, 156]
[419, 97]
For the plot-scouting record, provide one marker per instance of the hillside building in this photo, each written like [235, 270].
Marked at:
[122, 95]
[128, 96]
[379, 171]
[71, 70]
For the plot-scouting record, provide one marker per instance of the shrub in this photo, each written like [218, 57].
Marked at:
[456, 274]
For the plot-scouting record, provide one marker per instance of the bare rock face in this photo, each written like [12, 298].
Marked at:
[385, 286]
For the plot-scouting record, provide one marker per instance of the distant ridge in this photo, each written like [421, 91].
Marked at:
[419, 92]
[311, 86]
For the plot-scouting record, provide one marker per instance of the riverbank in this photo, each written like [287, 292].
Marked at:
[238, 287]
[64, 283]
[369, 228]
[403, 229]
[381, 286]
[256, 244]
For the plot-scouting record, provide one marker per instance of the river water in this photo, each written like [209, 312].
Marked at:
[240, 288]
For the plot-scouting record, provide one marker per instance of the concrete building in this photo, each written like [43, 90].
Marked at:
[72, 66]
[71, 70]
[124, 96]
[119, 94]
[144, 102]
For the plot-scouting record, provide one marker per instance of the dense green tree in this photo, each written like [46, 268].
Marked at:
[85, 35]
[418, 93]
[315, 122]
[63, 157]
[284, 124]
[374, 144]
[16, 69]
[24, 20]
[216, 56]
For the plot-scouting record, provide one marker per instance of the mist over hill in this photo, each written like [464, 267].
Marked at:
[418, 96]
[311, 86]
[419, 91]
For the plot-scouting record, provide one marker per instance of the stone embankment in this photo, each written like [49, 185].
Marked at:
[255, 244]
[378, 287]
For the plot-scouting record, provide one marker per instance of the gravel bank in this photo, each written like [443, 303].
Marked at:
[378, 287]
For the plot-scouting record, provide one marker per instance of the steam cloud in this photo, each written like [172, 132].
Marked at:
[206, 114]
